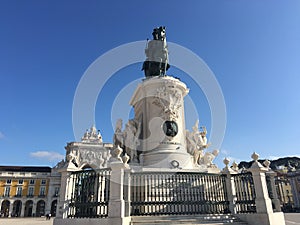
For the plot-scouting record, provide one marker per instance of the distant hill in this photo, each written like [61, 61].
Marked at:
[275, 164]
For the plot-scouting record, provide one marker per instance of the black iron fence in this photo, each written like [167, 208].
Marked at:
[245, 193]
[166, 193]
[90, 194]
[161, 193]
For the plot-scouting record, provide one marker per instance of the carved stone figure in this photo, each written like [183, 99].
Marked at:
[196, 142]
[118, 138]
[209, 157]
[72, 158]
[92, 158]
[156, 63]
[131, 139]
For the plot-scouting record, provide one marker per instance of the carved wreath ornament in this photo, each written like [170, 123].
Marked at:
[170, 102]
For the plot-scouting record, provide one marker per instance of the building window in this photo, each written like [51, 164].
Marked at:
[8, 181]
[43, 182]
[30, 191]
[31, 182]
[42, 191]
[19, 192]
[7, 192]
[56, 191]
[20, 181]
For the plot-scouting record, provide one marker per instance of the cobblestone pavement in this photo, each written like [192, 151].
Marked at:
[290, 219]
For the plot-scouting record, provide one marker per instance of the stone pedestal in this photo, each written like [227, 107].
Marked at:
[264, 212]
[159, 109]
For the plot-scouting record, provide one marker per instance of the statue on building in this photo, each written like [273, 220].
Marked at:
[92, 136]
[156, 63]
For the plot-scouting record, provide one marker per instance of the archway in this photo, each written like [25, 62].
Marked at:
[17, 207]
[40, 208]
[5, 208]
[28, 208]
[53, 208]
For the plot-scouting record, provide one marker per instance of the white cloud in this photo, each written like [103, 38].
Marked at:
[2, 135]
[50, 156]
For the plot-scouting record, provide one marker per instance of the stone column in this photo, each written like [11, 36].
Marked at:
[231, 192]
[34, 204]
[23, 208]
[11, 205]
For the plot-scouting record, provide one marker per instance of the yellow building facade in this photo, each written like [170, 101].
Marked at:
[28, 191]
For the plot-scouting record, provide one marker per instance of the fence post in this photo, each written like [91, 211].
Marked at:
[264, 212]
[116, 205]
[263, 202]
[65, 190]
[274, 197]
[231, 192]
[127, 192]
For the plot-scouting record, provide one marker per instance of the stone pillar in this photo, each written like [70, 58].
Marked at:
[65, 190]
[116, 200]
[116, 205]
[231, 192]
[262, 200]
[11, 205]
[127, 192]
[264, 212]
[34, 204]
[23, 209]
[275, 200]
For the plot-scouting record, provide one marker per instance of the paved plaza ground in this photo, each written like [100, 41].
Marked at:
[290, 218]
[26, 221]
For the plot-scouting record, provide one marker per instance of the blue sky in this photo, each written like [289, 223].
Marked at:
[252, 47]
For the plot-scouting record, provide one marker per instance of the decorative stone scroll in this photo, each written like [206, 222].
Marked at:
[169, 100]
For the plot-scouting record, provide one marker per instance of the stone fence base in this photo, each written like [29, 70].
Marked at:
[276, 218]
[92, 221]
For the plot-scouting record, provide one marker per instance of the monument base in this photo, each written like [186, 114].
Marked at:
[167, 159]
